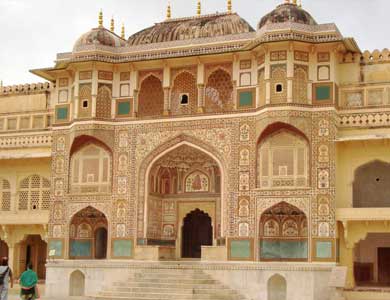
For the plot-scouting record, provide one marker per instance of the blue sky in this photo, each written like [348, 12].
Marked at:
[33, 31]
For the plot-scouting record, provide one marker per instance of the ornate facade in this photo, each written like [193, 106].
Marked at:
[203, 138]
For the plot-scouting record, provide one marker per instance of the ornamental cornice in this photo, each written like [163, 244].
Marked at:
[211, 266]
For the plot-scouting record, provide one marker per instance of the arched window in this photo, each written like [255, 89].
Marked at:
[77, 284]
[151, 97]
[184, 96]
[219, 92]
[103, 102]
[300, 84]
[5, 195]
[283, 160]
[34, 193]
[91, 170]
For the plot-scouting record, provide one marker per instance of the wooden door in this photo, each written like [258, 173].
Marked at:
[196, 232]
[384, 266]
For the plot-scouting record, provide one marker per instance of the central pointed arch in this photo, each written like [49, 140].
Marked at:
[154, 156]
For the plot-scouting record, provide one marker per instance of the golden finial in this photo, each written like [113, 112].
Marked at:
[169, 10]
[199, 8]
[229, 6]
[123, 34]
[300, 3]
[287, 1]
[101, 18]
[294, 2]
[112, 27]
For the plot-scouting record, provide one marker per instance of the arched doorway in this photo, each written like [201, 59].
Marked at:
[277, 288]
[181, 180]
[33, 249]
[283, 234]
[101, 243]
[77, 284]
[88, 235]
[197, 231]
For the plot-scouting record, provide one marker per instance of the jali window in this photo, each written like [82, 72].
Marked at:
[34, 193]
[5, 195]
[283, 161]
[90, 170]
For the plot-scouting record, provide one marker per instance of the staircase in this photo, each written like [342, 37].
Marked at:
[169, 284]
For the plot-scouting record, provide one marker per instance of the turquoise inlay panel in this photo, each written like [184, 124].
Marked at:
[123, 108]
[324, 249]
[283, 249]
[123, 248]
[81, 248]
[62, 113]
[57, 246]
[323, 93]
[246, 99]
[240, 249]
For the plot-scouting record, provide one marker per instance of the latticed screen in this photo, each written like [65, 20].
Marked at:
[34, 193]
[5, 195]
[90, 170]
[283, 161]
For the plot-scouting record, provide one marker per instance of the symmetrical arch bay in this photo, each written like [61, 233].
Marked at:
[182, 179]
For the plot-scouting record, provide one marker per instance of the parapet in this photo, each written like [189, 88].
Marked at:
[28, 88]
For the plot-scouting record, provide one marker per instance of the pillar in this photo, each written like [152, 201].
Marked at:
[94, 91]
[290, 75]
[167, 106]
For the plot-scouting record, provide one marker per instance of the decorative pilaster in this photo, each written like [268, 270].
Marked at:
[201, 98]
[167, 104]
[135, 97]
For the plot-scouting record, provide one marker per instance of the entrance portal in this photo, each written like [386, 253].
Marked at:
[197, 231]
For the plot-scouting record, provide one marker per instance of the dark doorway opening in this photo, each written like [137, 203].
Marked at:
[101, 243]
[197, 231]
[384, 266]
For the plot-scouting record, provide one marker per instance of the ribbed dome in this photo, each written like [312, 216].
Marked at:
[98, 36]
[287, 13]
[191, 28]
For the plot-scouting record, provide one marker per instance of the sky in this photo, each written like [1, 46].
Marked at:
[34, 31]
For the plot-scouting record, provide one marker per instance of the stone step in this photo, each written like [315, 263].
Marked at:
[175, 280]
[165, 290]
[170, 275]
[136, 298]
[167, 285]
[148, 295]
[181, 290]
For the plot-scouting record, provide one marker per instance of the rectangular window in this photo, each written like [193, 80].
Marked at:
[123, 108]
[62, 113]
[246, 99]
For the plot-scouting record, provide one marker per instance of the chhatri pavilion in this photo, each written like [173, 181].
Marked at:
[202, 158]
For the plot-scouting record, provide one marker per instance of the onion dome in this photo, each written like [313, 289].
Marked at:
[287, 12]
[205, 26]
[99, 36]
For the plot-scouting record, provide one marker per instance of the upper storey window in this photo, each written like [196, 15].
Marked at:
[90, 170]
[283, 161]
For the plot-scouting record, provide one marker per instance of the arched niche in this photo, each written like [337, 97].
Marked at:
[283, 234]
[371, 185]
[90, 166]
[277, 288]
[77, 284]
[88, 237]
[283, 157]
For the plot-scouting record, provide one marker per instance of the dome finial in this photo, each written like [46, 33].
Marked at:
[294, 2]
[101, 18]
[300, 3]
[112, 27]
[229, 6]
[123, 34]
[169, 10]
[286, 1]
[199, 9]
